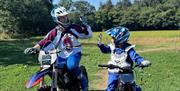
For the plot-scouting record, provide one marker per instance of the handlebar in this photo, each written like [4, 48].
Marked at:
[53, 51]
[111, 66]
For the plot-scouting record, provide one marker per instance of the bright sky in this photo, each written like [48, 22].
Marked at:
[96, 3]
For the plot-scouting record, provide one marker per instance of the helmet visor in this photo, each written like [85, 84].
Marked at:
[63, 19]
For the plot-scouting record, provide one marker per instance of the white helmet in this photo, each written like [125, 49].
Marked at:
[59, 12]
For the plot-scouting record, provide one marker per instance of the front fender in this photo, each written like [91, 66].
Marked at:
[36, 78]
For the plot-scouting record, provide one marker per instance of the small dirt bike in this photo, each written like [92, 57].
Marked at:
[61, 78]
[126, 81]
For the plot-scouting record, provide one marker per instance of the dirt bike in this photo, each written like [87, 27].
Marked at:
[126, 80]
[61, 78]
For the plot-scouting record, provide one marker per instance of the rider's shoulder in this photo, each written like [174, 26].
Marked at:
[128, 46]
[53, 32]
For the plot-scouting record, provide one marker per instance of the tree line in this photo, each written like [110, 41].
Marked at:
[33, 16]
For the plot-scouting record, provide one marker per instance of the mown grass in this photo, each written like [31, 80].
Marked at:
[16, 68]
[164, 71]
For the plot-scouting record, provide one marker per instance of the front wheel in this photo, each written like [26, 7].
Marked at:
[138, 88]
[128, 87]
[46, 88]
[119, 87]
[124, 87]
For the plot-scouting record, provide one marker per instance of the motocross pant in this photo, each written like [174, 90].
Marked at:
[113, 80]
[72, 63]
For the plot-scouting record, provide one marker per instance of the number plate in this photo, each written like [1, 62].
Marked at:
[46, 60]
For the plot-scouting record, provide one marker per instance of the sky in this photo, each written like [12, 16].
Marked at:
[96, 3]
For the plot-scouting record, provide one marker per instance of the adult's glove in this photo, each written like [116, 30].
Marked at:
[30, 51]
[83, 20]
[145, 63]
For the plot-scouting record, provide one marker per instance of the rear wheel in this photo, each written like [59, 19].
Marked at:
[73, 85]
[128, 87]
[119, 87]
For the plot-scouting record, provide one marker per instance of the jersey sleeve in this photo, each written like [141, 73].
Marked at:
[104, 49]
[49, 37]
[82, 32]
[135, 57]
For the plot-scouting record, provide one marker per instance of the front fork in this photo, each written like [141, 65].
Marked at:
[42, 84]
[131, 87]
[127, 86]
[54, 86]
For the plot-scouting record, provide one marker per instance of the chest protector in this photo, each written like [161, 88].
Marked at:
[70, 45]
[119, 59]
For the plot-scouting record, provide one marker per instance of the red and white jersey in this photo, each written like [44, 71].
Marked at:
[69, 37]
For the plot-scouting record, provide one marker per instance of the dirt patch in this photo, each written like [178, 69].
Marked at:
[160, 49]
[103, 73]
[153, 41]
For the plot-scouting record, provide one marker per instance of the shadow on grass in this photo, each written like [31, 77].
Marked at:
[11, 52]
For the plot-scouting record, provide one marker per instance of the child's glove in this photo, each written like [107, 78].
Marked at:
[145, 63]
[30, 51]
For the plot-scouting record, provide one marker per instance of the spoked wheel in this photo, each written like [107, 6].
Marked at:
[73, 85]
[46, 88]
[126, 87]
[119, 87]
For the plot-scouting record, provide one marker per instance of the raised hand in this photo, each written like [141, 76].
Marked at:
[83, 19]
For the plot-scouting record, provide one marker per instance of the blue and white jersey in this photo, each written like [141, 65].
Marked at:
[124, 56]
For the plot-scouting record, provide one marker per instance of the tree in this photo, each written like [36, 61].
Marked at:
[66, 3]
[84, 9]
[24, 16]
[123, 4]
[103, 15]
[149, 3]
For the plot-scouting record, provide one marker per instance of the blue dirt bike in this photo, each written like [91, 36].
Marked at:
[61, 78]
[126, 81]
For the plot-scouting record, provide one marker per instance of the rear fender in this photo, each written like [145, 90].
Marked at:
[36, 78]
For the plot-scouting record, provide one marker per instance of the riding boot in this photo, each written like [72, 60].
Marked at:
[83, 81]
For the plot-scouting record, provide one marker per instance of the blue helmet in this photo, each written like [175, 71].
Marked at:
[120, 34]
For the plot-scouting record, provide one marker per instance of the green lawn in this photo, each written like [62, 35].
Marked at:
[16, 68]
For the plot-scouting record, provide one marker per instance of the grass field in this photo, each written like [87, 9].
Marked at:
[162, 48]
